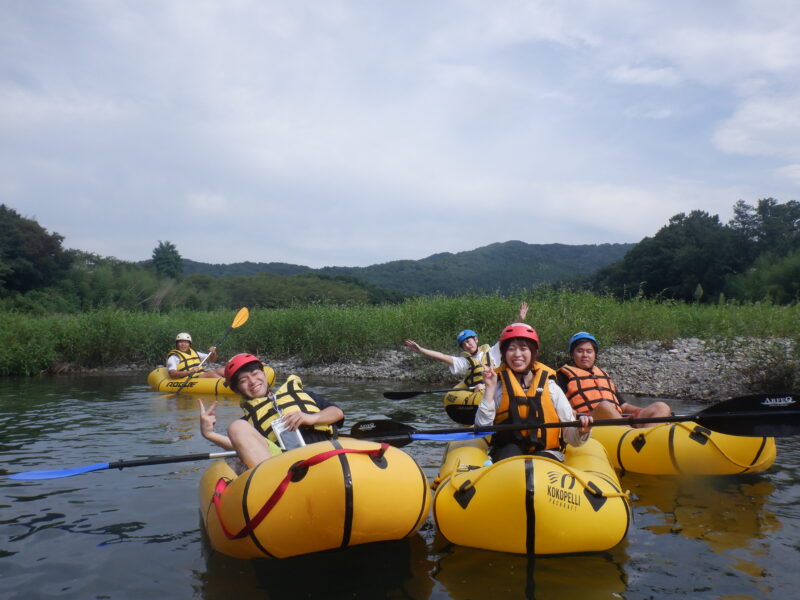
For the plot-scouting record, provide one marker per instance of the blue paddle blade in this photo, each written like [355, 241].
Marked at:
[448, 437]
[40, 475]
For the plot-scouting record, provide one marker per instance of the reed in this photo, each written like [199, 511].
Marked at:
[323, 334]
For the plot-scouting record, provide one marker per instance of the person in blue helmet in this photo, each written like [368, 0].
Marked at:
[474, 357]
[591, 391]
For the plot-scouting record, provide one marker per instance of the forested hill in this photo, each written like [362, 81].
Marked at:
[500, 267]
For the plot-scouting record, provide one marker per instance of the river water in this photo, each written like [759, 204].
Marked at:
[136, 533]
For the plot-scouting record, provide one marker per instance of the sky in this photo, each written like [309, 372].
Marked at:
[352, 133]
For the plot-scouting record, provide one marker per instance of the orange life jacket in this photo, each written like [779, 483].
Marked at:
[534, 406]
[586, 389]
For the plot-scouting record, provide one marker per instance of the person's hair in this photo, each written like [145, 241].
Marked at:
[530, 343]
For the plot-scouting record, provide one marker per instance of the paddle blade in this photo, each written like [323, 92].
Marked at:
[757, 415]
[57, 474]
[460, 413]
[241, 317]
[383, 430]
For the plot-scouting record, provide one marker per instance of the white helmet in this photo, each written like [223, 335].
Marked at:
[183, 337]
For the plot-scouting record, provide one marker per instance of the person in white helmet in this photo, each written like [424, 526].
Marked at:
[183, 360]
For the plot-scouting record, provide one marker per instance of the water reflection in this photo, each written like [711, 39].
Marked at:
[134, 533]
[468, 573]
[398, 569]
[724, 512]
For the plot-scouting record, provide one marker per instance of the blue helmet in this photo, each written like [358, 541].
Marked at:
[580, 336]
[463, 335]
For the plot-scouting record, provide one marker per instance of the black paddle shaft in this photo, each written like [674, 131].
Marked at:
[758, 415]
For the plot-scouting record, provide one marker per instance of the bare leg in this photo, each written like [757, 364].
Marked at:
[605, 410]
[249, 444]
[218, 372]
[656, 409]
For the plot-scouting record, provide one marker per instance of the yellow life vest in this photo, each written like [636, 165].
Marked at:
[534, 406]
[290, 397]
[474, 374]
[187, 360]
[585, 389]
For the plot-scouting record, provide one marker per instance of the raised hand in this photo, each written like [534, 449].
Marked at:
[207, 418]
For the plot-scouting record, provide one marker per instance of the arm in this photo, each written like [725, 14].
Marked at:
[172, 368]
[429, 353]
[487, 407]
[327, 416]
[207, 421]
[572, 435]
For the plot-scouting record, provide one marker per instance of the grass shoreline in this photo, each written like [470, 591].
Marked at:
[323, 334]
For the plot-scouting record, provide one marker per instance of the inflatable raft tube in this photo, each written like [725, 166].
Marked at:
[530, 504]
[160, 381]
[684, 448]
[462, 403]
[323, 496]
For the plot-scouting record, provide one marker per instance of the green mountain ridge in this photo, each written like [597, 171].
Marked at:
[502, 266]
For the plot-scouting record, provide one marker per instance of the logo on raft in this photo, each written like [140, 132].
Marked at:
[559, 490]
[785, 401]
[174, 384]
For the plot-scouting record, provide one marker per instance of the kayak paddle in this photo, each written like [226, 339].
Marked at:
[756, 415]
[120, 464]
[404, 395]
[239, 320]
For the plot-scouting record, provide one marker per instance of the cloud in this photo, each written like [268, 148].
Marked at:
[352, 132]
[790, 172]
[767, 126]
[663, 76]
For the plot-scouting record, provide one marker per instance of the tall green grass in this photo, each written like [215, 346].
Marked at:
[324, 334]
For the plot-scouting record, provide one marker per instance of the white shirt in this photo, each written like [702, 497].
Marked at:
[487, 409]
[461, 364]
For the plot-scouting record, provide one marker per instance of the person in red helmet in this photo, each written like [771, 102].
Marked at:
[289, 417]
[523, 390]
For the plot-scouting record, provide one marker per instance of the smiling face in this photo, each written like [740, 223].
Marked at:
[251, 382]
[470, 345]
[584, 355]
[519, 355]
[183, 345]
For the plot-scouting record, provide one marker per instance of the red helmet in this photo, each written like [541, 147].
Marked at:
[235, 364]
[518, 330]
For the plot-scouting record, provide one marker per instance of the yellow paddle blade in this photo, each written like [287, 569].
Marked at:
[240, 318]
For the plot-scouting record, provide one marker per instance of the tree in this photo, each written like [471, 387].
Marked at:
[166, 260]
[769, 227]
[30, 257]
[690, 251]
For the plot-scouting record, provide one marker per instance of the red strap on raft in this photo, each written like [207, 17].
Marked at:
[282, 486]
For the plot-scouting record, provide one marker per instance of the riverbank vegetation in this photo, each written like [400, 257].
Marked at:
[320, 333]
[694, 258]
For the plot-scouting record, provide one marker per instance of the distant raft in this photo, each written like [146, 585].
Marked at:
[684, 448]
[323, 496]
[461, 404]
[530, 504]
[160, 381]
